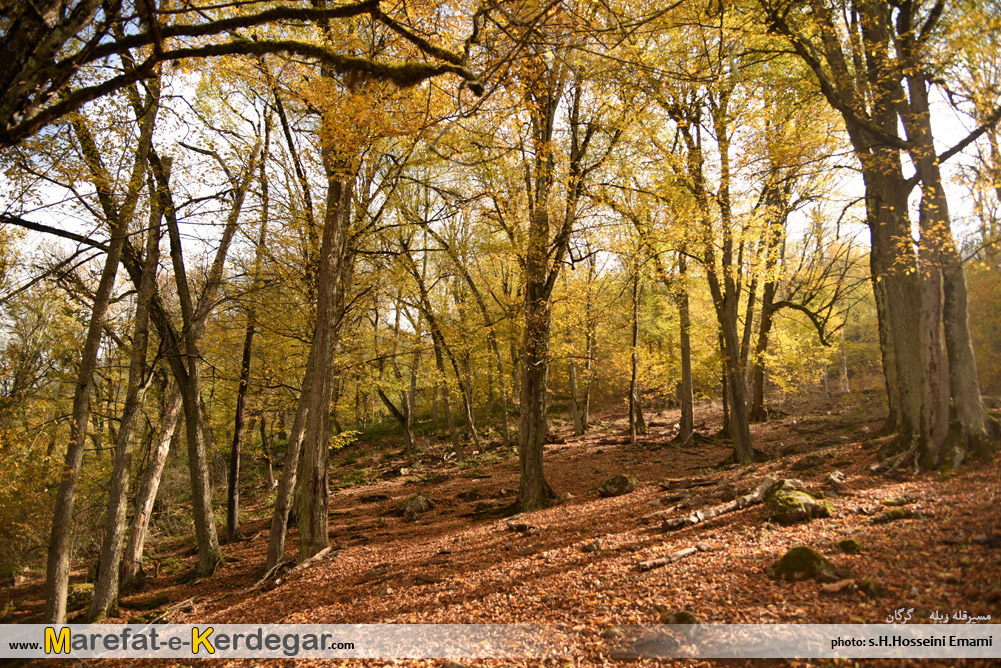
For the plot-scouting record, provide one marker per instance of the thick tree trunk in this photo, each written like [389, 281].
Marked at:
[938, 245]
[912, 318]
[534, 492]
[333, 249]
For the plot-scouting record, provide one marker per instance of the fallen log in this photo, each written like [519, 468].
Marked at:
[319, 556]
[766, 487]
[686, 483]
[667, 559]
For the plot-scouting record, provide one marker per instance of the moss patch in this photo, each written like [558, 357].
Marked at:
[850, 546]
[146, 604]
[789, 507]
[892, 515]
[801, 563]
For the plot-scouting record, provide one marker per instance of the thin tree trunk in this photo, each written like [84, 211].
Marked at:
[266, 454]
[843, 366]
[106, 588]
[131, 577]
[686, 395]
[233, 483]
[637, 424]
[576, 401]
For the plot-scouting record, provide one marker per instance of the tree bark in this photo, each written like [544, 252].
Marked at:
[106, 587]
[233, 483]
[58, 565]
[316, 396]
[170, 411]
[686, 395]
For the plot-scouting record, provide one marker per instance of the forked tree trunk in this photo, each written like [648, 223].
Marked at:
[58, 564]
[106, 587]
[185, 363]
[314, 499]
[936, 235]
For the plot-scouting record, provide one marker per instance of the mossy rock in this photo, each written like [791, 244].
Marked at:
[79, 597]
[618, 485]
[810, 461]
[678, 617]
[850, 546]
[897, 501]
[870, 588]
[892, 515]
[802, 563]
[416, 505]
[789, 507]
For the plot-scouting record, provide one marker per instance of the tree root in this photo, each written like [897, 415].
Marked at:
[893, 462]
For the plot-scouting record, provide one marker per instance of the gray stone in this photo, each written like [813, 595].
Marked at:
[807, 462]
[617, 486]
[417, 505]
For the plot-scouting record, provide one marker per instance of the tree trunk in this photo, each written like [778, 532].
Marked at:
[106, 588]
[686, 395]
[287, 483]
[233, 486]
[266, 455]
[576, 401]
[57, 571]
[636, 423]
[333, 249]
[233, 482]
[938, 244]
[58, 565]
[132, 563]
[758, 411]
[844, 385]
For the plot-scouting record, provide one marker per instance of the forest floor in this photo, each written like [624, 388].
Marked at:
[578, 564]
